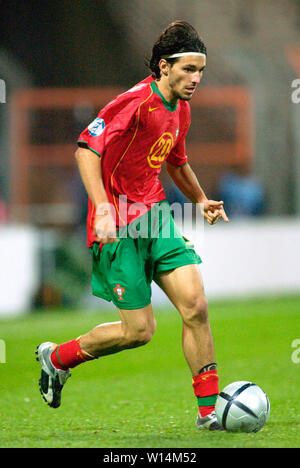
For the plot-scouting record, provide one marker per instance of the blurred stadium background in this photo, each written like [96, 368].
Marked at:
[61, 61]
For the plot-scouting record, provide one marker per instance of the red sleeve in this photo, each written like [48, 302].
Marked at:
[178, 156]
[115, 118]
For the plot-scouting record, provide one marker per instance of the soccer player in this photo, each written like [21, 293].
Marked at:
[119, 156]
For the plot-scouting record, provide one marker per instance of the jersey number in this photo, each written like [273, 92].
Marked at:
[160, 150]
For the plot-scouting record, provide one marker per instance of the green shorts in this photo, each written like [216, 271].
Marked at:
[151, 244]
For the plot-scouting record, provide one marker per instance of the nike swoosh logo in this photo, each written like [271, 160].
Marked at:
[152, 108]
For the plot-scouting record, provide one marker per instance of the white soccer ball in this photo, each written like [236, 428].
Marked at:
[242, 406]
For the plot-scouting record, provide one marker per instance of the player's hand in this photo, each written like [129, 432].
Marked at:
[213, 210]
[104, 225]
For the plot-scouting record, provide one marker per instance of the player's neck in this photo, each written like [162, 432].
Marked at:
[165, 90]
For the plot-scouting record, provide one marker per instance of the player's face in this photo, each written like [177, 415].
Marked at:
[184, 76]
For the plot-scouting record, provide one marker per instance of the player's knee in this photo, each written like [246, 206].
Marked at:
[195, 311]
[136, 338]
[140, 334]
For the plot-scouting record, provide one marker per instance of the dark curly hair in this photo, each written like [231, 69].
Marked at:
[178, 37]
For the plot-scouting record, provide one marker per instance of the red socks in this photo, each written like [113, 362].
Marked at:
[206, 383]
[69, 355]
[206, 388]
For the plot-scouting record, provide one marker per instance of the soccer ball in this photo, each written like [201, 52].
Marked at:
[242, 406]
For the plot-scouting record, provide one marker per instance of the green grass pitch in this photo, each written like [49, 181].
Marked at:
[144, 397]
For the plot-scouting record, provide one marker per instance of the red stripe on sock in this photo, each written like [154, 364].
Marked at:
[206, 410]
[206, 384]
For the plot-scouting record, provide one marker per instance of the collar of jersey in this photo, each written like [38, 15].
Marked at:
[165, 102]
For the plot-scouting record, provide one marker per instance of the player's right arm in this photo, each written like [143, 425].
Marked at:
[90, 172]
[111, 123]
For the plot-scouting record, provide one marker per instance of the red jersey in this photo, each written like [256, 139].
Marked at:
[133, 135]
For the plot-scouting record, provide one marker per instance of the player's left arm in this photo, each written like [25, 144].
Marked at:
[185, 179]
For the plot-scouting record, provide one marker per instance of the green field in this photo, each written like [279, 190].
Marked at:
[144, 397]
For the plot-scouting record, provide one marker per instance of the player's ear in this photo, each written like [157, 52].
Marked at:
[164, 67]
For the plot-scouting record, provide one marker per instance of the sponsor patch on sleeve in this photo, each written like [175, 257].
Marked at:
[96, 127]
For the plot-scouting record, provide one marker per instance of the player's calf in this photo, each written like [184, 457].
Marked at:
[135, 329]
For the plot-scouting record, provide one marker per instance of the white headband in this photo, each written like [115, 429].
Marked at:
[182, 54]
